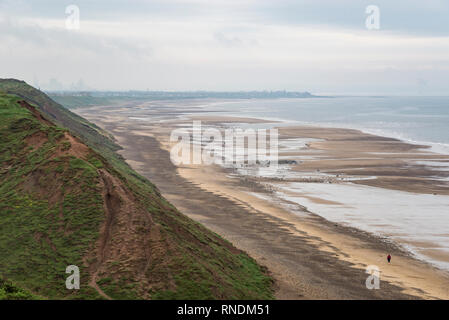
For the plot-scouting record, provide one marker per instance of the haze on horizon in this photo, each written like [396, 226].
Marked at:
[320, 46]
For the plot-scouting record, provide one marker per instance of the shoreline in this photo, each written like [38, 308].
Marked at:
[328, 239]
[434, 147]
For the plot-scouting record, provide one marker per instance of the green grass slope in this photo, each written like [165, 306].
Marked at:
[55, 112]
[92, 135]
[8, 291]
[64, 203]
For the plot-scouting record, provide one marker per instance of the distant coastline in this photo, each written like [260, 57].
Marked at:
[75, 99]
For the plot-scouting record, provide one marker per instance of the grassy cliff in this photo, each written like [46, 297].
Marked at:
[68, 200]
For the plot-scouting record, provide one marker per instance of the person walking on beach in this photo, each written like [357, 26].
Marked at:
[389, 258]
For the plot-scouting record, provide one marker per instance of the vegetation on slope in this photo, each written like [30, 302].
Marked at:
[8, 291]
[63, 203]
[88, 132]
[53, 111]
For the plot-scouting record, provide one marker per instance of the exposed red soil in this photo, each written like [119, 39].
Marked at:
[36, 140]
[77, 148]
[35, 112]
[128, 238]
[40, 177]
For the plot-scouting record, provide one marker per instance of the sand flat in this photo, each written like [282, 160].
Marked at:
[310, 257]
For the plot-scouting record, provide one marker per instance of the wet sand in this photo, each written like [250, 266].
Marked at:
[310, 257]
[354, 153]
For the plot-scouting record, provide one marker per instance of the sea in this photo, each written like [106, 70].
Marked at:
[418, 222]
[420, 120]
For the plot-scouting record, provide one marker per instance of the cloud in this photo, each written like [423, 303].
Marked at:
[316, 45]
[227, 40]
[51, 37]
[406, 16]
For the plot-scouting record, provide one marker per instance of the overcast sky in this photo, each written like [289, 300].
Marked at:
[322, 46]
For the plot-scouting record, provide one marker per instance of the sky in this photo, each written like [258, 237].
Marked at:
[320, 46]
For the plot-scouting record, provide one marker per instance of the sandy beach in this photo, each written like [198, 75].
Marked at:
[309, 256]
